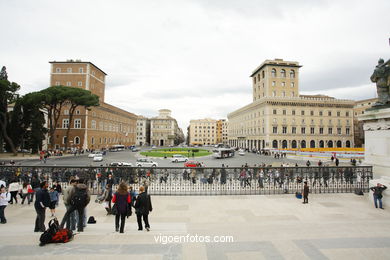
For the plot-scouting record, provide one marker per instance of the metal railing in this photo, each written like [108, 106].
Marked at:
[203, 181]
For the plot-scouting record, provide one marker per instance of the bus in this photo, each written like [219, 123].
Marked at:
[117, 148]
[223, 153]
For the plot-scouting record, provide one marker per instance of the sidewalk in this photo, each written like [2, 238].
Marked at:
[331, 226]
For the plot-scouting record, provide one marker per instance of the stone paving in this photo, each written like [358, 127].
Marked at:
[331, 226]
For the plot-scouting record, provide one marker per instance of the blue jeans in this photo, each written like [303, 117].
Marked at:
[376, 198]
[71, 222]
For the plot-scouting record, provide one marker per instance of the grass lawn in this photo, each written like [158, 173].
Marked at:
[168, 152]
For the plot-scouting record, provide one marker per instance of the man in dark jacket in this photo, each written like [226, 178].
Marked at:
[305, 193]
[42, 201]
[378, 194]
[78, 199]
[143, 205]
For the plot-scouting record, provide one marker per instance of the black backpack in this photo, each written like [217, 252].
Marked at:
[47, 236]
[79, 199]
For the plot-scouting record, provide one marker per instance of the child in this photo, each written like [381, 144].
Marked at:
[4, 198]
[54, 197]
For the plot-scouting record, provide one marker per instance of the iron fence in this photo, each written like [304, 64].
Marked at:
[203, 181]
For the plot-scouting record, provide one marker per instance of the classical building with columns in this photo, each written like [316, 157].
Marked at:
[164, 130]
[280, 118]
[97, 127]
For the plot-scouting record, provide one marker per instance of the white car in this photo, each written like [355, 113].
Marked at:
[98, 158]
[178, 158]
[154, 147]
[241, 152]
[91, 155]
[145, 162]
[121, 164]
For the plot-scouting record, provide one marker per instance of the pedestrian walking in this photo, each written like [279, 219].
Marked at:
[13, 189]
[122, 201]
[42, 201]
[337, 162]
[27, 192]
[78, 200]
[305, 193]
[378, 189]
[143, 205]
[5, 197]
[54, 198]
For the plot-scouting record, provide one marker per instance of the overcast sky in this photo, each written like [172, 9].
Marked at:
[195, 56]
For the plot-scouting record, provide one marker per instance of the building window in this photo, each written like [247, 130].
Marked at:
[274, 93]
[321, 130]
[273, 73]
[302, 112]
[57, 83]
[320, 113]
[329, 113]
[77, 123]
[284, 129]
[283, 84]
[275, 130]
[58, 70]
[263, 74]
[92, 140]
[283, 73]
[254, 79]
[273, 83]
[330, 130]
[64, 140]
[284, 111]
[338, 113]
[80, 83]
[339, 131]
[77, 112]
[293, 112]
[312, 113]
[81, 70]
[294, 130]
[77, 140]
[292, 74]
[283, 93]
[68, 83]
[69, 70]
[303, 130]
[347, 113]
[65, 123]
[312, 130]
[66, 112]
[347, 130]
[292, 84]
[274, 111]
[93, 124]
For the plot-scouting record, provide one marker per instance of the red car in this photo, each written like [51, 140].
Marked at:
[192, 164]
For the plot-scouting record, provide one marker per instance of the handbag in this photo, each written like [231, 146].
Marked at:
[128, 210]
[114, 209]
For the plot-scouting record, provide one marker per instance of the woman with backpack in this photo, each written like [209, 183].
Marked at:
[122, 202]
[4, 198]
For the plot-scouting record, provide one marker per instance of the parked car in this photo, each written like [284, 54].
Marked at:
[121, 164]
[241, 152]
[178, 158]
[98, 158]
[145, 162]
[154, 147]
[135, 149]
[191, 164]
[93, 154]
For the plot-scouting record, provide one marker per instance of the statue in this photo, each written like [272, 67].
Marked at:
[381, 76]
[3, 73]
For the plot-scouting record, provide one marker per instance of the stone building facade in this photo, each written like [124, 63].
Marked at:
[204, 132]
[164, 130]
[359, 109]
[280, 118]
[97, 127]
[143, 131]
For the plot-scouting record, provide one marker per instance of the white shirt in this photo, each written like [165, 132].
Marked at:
[2, 183]
[4, 198]
[13, 186]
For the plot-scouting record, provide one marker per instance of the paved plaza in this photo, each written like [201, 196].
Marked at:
[331, 226]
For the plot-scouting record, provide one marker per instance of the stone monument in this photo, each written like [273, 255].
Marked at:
[376, 125]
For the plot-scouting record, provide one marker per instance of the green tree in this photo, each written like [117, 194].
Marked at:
[78, 97]
[8, 95]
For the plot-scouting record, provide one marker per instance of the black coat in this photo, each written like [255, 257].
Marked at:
[143, 204]
[43, 196]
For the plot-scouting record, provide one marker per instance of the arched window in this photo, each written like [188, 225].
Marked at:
[284, 144]
[273, 73]
[321, 144]
[330, 144]
[274, 144]
[338, 144]
[292, 74]
[348, 144]
[294, 144]
[64, 139]
[303, 144]
[77, 140]
[283, 73]
[312, 144]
